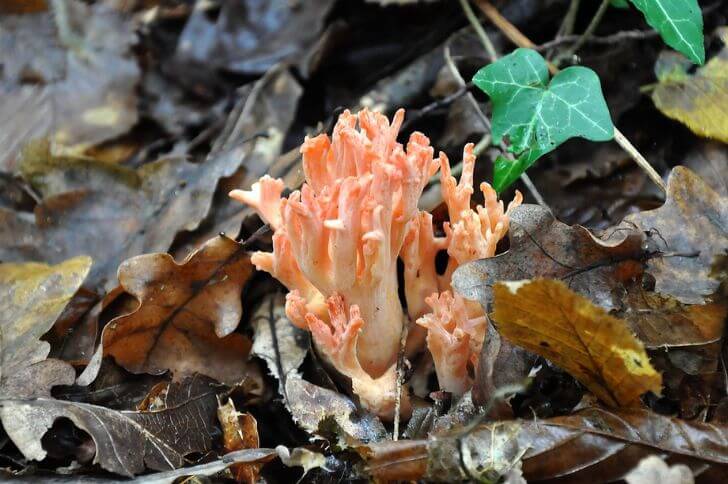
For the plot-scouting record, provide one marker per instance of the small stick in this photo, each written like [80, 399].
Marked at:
[515, 36]
[400, 380]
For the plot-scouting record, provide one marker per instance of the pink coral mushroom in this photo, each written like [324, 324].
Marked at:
[336, 243]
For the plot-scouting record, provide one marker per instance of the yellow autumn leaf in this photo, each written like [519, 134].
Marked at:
[697, 100]
[547, 318]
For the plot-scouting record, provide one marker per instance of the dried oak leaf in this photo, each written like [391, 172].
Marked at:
[32, 297]
[691, 229]
[239, 431]
[661, 321]
[547, 318]
[541, 246]
[591, 445]
[127, 442]
[187, 313]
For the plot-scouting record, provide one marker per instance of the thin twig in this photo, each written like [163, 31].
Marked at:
[440, 103]
[400, 380]
[639, 159]
[567, 27]
[484, 39]
[593, 24]
[605, 40]
[515, 36]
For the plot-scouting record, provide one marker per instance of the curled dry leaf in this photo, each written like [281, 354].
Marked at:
[284, 347]
[186, 313]
[697, 100]
[541, 246]
[591, 445]
[597, 349]
[32, 297]
[127, 442]
[239, 431]
[689, 230]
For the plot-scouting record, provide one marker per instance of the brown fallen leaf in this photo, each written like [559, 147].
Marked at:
[127, 442]
[689, 230]
[547, 318]
[32, 297]
[591, 445]
[663, 321]
[186, 316]
[541, 246]
[239, 431]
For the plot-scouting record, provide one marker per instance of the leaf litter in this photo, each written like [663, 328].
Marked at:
[138, 339]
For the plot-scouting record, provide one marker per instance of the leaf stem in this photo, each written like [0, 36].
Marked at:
[515, 36]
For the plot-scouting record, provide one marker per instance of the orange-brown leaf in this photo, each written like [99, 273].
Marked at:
[186, 315]
[240, 431]
[547, 318]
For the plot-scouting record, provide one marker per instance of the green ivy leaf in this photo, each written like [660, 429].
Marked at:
[537, 115]
[679, 22]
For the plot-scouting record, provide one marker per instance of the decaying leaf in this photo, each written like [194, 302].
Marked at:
[113, 212]
[283, 347]
[662, 321]
[239, 431]
[597, 349]
[84, 76]
[541, 246]
[127, 442]
[32, 296]
[697, 100]
[501, 364]
[690, 230]
[187, 313]
[591, 445]
[653, 470]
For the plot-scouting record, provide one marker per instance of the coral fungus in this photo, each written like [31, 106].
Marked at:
[337, 241]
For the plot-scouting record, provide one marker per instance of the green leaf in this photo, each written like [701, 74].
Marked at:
[679, 22]
[536, 115]
[619, 4]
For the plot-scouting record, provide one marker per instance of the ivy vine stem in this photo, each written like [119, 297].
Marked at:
[593, 24]
[517, 37]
